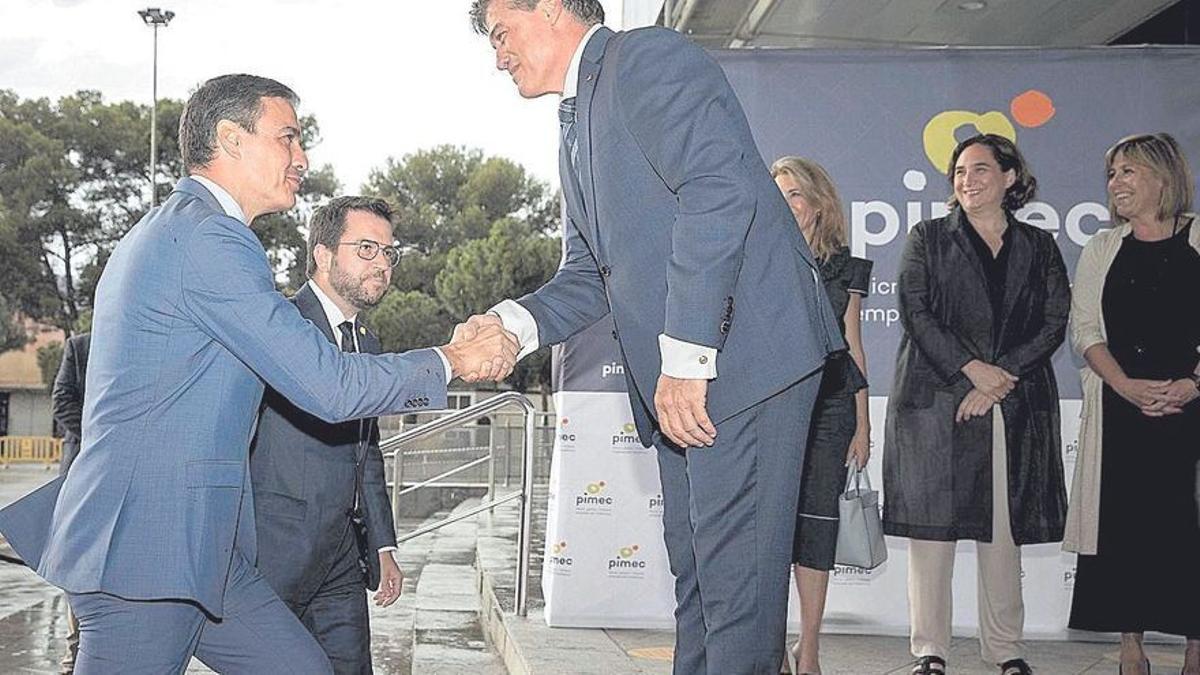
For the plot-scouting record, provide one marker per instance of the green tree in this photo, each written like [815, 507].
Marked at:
[12, 333]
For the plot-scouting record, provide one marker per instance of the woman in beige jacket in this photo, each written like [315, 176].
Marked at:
[1133, 319]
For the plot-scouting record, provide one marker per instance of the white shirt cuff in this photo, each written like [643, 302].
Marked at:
[387, 549]
[518, 321]
[686, 360]
[445, 364]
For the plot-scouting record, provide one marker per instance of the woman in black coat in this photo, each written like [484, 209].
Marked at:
[972, 444]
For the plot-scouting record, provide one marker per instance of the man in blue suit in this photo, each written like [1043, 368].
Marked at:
[321, 505]
[676, 228]
[151, 533]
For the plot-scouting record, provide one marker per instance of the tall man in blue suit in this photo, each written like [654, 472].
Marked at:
[676, 229]
[321, 506]
[151, 533]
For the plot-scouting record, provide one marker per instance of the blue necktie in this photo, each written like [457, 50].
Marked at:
[566, 120]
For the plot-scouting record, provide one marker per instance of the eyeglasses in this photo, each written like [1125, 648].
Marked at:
[368, 250]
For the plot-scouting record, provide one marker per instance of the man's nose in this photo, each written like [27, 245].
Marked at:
[300, 160]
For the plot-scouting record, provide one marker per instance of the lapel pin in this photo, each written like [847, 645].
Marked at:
[362, 330]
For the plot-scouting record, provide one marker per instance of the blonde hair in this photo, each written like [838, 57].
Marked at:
[1161, 154]
[829, 231]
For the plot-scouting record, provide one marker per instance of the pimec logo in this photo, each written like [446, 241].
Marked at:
[626, 439]
[1031, 109]
[559, 561]
[594, 500]
[627, 564]
[566, 435]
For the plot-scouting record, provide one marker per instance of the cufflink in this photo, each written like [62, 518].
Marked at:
[703, 360]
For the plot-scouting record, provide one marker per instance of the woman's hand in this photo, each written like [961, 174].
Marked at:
[1148, 395]
[993, 381]
[1178, 393]
[859, 452]
[974, 404]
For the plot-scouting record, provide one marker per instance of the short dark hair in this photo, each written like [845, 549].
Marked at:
[328, 223]
[1006, 154]
[1162, 155]
[237, 98]
[586, 12]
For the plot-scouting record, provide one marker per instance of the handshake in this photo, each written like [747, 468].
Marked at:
[481, 349]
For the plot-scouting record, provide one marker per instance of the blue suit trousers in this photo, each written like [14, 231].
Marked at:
[729, 517]
[258, 633]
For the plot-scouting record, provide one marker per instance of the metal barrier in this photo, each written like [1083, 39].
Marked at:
[394, 448]
[30, 450]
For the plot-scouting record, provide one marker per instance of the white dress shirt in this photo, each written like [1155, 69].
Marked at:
[684, 360]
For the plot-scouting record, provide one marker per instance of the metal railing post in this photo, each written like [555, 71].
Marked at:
[507, 453]
[525, 533]
[397, 485]
[492, 459]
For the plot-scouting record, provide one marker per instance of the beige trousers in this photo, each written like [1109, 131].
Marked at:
[68, 660]
[931, 570]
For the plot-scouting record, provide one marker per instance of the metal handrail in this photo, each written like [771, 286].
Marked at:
[393, 448]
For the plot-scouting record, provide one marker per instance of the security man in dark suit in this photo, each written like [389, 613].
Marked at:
[322, 512]
[67, 399]
[67, 395]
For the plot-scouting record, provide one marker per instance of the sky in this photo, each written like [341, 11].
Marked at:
[383, 78]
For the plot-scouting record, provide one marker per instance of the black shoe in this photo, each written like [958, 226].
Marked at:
[1015, 667]
[925, 663]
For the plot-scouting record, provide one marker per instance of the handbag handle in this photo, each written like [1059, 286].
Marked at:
[857, 479]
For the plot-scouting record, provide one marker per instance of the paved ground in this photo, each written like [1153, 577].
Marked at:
[433, 628]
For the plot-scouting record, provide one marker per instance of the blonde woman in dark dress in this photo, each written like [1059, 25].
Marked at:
[1135, 322]
[840, 430]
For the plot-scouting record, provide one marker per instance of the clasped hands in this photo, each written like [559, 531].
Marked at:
[481, 349]
[1157, 398]
[991, 385]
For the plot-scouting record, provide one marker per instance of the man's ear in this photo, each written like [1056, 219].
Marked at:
[229, 138]
[323, 256]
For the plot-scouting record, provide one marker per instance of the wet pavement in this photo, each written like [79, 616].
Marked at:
[433, 628]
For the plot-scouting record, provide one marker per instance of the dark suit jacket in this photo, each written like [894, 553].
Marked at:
[938, 473]
[675, 226]
[67, 395]
[303, 473]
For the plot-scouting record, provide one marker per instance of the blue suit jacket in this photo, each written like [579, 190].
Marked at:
[187, 326]
[303, 472]
[676, 226]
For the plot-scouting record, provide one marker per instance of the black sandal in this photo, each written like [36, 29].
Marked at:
[1015, 667]
[925, 663]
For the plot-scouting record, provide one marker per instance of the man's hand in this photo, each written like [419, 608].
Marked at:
[391, 580]
[681, 412]
[993, 381]
[481, 350]
[974, 404]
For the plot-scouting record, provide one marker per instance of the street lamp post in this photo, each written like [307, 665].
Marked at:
[155, 17]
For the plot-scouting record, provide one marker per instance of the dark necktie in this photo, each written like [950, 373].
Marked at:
[347, 328]
[566, 121]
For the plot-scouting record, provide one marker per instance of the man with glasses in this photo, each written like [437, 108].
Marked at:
[322, 511]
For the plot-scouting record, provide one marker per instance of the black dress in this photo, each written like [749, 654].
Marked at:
[832, 425]
[1146, 574]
